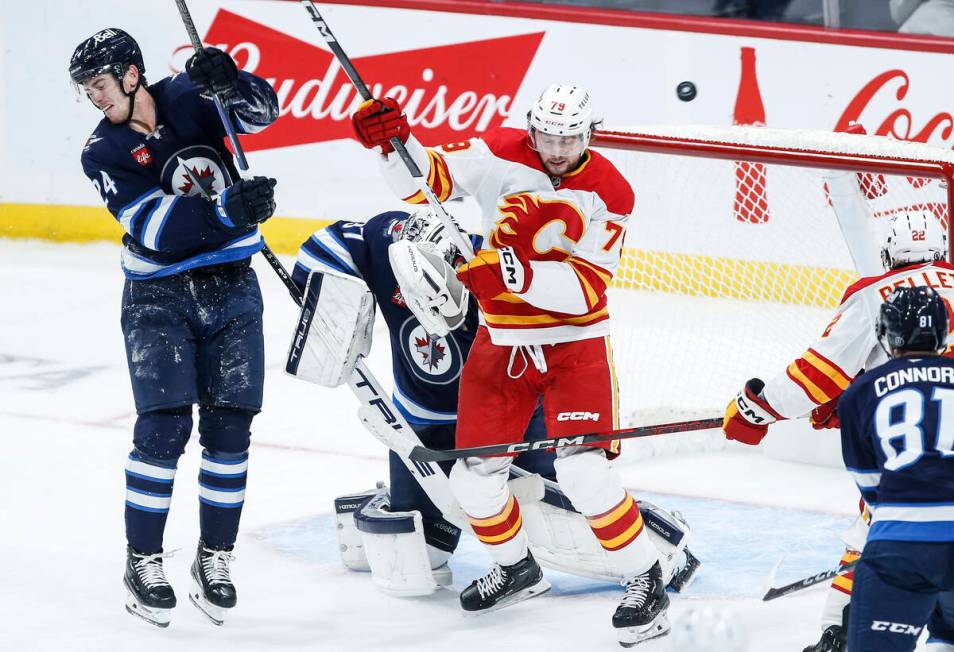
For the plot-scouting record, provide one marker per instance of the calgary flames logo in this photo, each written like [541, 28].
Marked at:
[546, 227]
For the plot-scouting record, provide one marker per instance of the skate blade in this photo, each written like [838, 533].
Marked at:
[213, 612]
[153, 616]
[539, 588]
[630, 636]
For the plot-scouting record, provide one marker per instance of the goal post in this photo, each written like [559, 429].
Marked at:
[739, 248]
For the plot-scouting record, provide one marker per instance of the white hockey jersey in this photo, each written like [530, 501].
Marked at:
[849, 344]
[571, 237]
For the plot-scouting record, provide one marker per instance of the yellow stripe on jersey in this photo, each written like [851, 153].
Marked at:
[817, 394]
[538, 320]
[823, 366]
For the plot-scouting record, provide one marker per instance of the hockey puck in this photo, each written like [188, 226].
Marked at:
[686, 91]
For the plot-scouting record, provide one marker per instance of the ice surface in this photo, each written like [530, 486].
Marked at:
[65, 421]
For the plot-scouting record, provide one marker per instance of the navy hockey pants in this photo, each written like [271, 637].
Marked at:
[899, 587]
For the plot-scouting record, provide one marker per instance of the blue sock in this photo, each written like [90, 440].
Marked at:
[221, 496]
[148, 494]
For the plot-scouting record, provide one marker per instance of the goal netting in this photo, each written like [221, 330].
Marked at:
[741, 243]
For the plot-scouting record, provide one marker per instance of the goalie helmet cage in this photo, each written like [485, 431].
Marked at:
[740, 246]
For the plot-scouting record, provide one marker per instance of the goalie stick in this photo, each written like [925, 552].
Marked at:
[462, 242]
[777, 592]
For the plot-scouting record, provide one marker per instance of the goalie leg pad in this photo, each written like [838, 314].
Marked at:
[596, 491]
[560, 537]
[350, 545]
[334, 328]
[401, 562]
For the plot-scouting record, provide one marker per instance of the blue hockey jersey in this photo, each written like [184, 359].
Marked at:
[169, 227]
[897, 430]
[426, 371]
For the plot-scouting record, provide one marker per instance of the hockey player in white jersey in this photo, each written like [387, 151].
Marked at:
[553, 152]
[913, 255]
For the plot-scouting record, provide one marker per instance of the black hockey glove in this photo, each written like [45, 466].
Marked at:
[213, 71]
[246, 203]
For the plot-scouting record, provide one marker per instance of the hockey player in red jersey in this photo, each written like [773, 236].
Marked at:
[913, 254]
[541, 284]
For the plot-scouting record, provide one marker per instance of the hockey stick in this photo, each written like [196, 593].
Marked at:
[462, 242]
[777, 592]
[422, 454]
[238, 151]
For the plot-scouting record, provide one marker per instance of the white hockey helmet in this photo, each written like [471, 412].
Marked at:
[563, 110]
[913, 237]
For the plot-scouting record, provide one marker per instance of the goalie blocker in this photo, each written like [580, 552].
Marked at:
[391, 545]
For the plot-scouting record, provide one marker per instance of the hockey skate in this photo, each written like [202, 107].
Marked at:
[149, 594]
[833, 639]
[505, 585]
[212, 591]
[642, 613]
[685, 573]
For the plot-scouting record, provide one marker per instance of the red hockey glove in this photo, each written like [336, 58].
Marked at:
[748, 415]
[376, 122]
[825, 416]
[493, 272]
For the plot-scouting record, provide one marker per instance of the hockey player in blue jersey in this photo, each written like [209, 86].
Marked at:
[898, 444]
[191, 308]
[426, 365]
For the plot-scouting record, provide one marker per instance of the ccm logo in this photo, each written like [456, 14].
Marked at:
[578, 416]
[748, 412]
[895, 628]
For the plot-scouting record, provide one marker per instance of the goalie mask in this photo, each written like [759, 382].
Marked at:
[423, 225]
[913, 319]
[912, 238]
[423, 259]
[559, 126]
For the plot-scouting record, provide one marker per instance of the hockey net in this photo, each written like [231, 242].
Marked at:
[741, 244]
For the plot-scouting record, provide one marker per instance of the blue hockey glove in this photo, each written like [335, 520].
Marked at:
[213, 72]
[246, 203]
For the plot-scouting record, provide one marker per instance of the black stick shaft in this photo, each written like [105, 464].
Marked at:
[422, 454]
[804, 583]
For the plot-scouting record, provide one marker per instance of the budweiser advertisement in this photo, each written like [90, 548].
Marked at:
[458, 75]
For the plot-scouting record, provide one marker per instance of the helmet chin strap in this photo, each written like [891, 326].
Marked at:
[132, 98]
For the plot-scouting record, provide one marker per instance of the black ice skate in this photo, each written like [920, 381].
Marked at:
[505, 585]
[149, 594]
[212, 592]
[642, 613]
[833, 639]
[685, 572]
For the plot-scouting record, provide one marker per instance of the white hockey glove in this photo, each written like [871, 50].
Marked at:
[334, 328]
[429, 286]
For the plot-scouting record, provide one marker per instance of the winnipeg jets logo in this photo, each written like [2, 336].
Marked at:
[431, 350]
[434, 360]
[195, 164]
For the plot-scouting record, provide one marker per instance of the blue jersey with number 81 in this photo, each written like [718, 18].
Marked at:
[897, 429]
